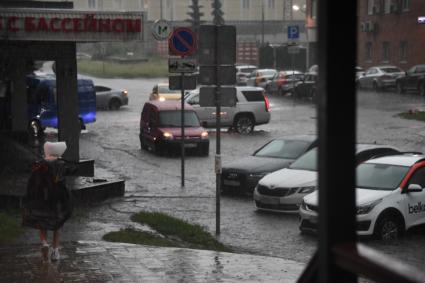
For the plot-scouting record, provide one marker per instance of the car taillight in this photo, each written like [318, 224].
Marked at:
[266, 100]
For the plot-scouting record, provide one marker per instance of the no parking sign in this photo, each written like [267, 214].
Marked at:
[182, 42]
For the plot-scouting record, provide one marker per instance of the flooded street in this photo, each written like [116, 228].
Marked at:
[153, 182]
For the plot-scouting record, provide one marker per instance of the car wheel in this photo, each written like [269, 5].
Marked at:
[388, 227]
[114, 104]
[244, 124]
[400, 88]
[422, 89]
[35, 129]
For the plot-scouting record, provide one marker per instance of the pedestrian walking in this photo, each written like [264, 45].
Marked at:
[48, 202]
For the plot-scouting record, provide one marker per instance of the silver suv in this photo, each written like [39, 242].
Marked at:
[252, 108]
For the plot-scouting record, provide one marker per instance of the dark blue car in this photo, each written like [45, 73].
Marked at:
[42, 103]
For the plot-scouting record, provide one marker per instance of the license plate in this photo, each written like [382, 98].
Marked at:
[231, 183]
[190, 145]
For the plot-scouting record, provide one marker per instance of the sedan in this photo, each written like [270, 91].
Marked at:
[261, 77]
[284, 82]
[413, 80]
[241, 176]
[283, 190]
[380, 77]
[108, 98]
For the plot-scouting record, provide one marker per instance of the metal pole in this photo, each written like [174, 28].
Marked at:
[182, 128]
[218, 141]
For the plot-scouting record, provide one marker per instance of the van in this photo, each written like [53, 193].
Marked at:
[42, 103]
[160, 128]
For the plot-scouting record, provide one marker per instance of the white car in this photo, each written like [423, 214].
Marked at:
[283, 190]
[252, 108]
[390, 197]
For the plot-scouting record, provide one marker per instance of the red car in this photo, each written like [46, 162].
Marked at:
[160, 128]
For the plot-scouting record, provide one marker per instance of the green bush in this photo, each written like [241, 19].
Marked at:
[156, 67]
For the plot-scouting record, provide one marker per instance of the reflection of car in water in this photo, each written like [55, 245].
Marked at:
[42, 103]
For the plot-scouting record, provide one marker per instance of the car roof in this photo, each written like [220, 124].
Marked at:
[169, 105]
[367, 146]
[245, 66]
[400, 159]
[290, 72]
[385, 66]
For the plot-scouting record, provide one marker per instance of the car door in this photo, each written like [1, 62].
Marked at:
[413, 202]
[204, 113]
[411, 78]
[366, 80]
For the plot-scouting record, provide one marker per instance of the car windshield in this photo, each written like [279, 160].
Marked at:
[308, 161]
[289, 149]
[165, 89]
[173, 119]
[391, 70]
[380, 176]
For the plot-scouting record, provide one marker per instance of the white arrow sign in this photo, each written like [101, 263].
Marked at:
[181, 65]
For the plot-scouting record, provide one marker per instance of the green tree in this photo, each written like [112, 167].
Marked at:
[195, 15]
[217, 13]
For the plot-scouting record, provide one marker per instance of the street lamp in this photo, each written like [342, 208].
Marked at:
[297, 8]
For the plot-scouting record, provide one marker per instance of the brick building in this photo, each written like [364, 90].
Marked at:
[390, 32]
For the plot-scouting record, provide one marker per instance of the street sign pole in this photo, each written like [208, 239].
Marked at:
[182, 128]
[218, 136]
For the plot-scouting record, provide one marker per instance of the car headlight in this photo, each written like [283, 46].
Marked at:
[204, 135]
[167, 136]
[258, 175]
[366, 208]
[161, 98]
[306, 190]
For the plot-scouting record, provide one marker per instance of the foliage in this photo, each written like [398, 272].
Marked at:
[217, 13]
[10, 227]
[155, 67]
[413, 115]
[193, 236]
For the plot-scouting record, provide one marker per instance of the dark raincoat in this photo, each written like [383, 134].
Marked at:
[48, 202]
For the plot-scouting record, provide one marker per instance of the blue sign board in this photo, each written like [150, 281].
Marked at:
[293, 32]
[182, 42]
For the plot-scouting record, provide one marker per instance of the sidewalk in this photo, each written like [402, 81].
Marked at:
[111, 262]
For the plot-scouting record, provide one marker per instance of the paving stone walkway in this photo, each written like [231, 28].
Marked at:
[110, 262]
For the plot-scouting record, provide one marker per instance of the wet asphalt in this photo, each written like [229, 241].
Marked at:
[153, 182]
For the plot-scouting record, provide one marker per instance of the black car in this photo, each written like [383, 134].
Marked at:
[307, 87]
[413, 80]
[241, 176]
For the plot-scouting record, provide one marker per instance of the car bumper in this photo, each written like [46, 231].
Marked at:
[309, 222]
[387, 83]
[188, 144]
[237, 182]
[277, 204]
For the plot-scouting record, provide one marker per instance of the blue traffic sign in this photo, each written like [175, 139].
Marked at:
[293, 32]
[182, 42]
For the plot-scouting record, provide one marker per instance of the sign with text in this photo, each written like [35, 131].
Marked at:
[293, 32]
[70, 25]
[181, 65]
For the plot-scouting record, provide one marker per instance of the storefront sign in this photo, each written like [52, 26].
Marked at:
[70, 25]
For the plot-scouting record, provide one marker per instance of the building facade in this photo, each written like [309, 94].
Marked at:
[391, 32]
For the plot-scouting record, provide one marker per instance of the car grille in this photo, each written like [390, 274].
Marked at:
[312, 207]
[283, 207]
[276, 192]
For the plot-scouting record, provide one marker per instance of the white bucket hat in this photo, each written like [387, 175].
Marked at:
[54, 148]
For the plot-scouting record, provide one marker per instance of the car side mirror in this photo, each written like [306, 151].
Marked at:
[414, 188]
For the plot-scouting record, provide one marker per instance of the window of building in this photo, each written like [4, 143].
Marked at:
[117, 4]
[368, 51]
[92, 4]
[387, 6]
[271, 4]
[385, 51]
[313, 10]
[100, 4]
[245, 4]
[403, 51]
[405, 5]
[373, 7]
